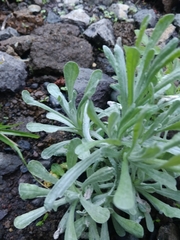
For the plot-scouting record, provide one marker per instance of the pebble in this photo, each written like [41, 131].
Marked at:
[140, 15]
[23, 144]
[52, 17]
[53, 101]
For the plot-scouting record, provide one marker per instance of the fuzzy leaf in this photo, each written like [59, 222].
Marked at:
[124, 196]
[38, 170]
[71, 72]
[24, 220]
[129, 226]
[30, 191]
[97, 213]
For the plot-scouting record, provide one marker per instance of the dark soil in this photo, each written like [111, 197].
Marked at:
[12, 109]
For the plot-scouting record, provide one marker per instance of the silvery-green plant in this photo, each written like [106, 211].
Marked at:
[121, 159]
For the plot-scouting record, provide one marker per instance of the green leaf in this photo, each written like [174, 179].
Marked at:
[54, 90]
[132, 59]
[120, 69]
[149, 222]
[174, 161]
[71, 156]
[93, 230]
[70, 233]
[57, 169]
[124, 196]
[37, 127]
[143, 27]
[56, 149]
[24, 220]
[30, 101]
[38, 170]
[80, 226]
[101, 175]
[97, 213]
[104, 232]
[160, 27]
[71, 72]
[118, 228]
[129, 226]
[94, 117]
[69, 178]
[91, 86]
[161, 177]
[18, 133]
[30, 191]
[161, 206]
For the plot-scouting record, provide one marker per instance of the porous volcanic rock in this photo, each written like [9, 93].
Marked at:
[56, 46]
[12, 73]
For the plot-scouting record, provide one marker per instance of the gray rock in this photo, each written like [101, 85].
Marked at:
[58, 45]
[103, 91]
[78, 16]
[177, 20]
[168, 232]
[120, 10]
[9, 163]
[12, 73]
[101, 33]
[7, 33]
[140, 15]
[52, 17]
[71, 2]
[20, 44]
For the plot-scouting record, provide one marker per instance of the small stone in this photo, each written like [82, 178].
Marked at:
[78, 15]
[120, 10]
[23, 144]
[177, 20]
[71, 2]
[140, 15]
[101, 33]
[38, 2]
[34, 8]
[52, 17]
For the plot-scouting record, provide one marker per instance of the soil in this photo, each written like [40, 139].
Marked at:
[13, 110]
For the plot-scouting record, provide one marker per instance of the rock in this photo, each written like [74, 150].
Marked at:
[169, 4]
[50, 51]
[100, 33]
[103, 91]
[52, 17]
[71, 2]
[177, 20]
[7, 33]
[33, 8]
[9, 163]
[12, 73]
[140, 15]
[24, 21]
[78, 16]
[120, 10]
[124, 30]
[165, 36]
[168, 232]
[20, 44]
[38, 2]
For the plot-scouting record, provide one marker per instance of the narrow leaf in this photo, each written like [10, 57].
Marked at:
[129, 226]
[69, 177]
[71, 72]
[124, 196]
[70, 233]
